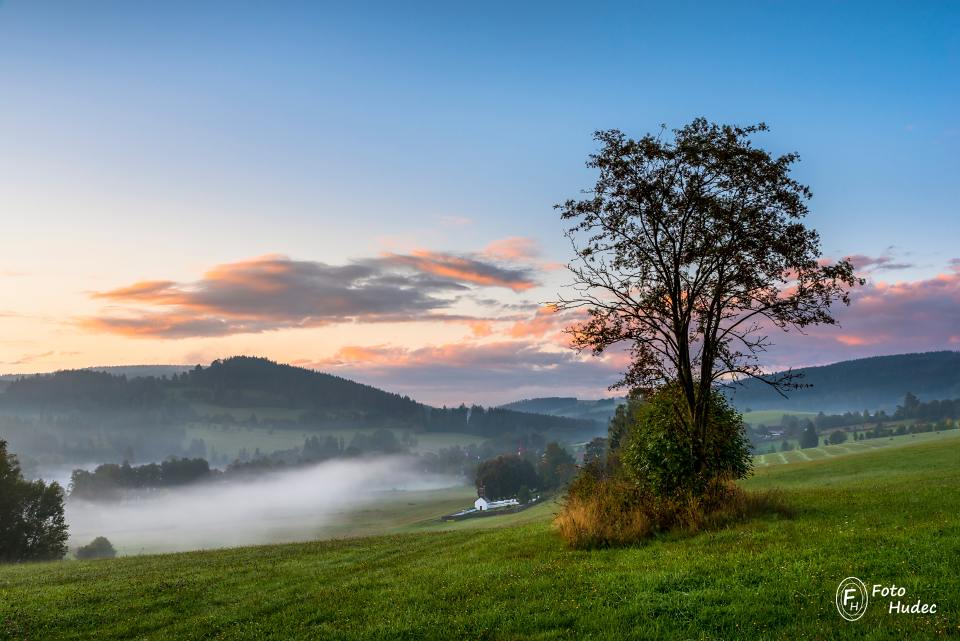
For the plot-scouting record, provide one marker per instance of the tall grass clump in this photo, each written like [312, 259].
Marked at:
[650, 482]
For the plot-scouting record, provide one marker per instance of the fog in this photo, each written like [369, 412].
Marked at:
[295, 505]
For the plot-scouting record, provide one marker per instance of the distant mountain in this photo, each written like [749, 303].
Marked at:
[598, 410]
[245, 386]
[873, 383]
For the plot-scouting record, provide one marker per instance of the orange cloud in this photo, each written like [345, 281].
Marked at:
[544, 321]
[464, 269]
[513, 248]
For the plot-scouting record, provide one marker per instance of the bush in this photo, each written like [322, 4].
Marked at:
[614, 512]
[99, 548]
[838, 437]
[659, 455]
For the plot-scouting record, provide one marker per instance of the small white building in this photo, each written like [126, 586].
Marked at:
[483, 503]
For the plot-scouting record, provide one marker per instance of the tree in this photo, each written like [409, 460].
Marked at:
[503, 476]
[595, 452]
[689, 251]
[838, 437]
[32, 525]
[556, 467]
[523, 495]
[99, 548]
[808, 438]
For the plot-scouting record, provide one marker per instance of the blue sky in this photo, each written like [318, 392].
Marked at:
[155, 141]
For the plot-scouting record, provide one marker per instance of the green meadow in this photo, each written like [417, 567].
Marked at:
[888, 515]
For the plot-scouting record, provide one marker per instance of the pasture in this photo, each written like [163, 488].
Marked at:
[887, 515]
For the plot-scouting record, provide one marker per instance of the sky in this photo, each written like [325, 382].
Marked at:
[368, 189]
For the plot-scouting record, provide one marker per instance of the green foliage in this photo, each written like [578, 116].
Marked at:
[808, 438]
[32, 525]
[99, 548]
[107, 480]
[524, 495]
[503, 476]
[837, 437]
[556, 467]
[659, 454]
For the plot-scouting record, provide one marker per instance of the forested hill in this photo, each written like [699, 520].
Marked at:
[245, 385]
[873, 383]
[597, 410]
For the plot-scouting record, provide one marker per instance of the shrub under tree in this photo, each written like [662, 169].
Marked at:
[658, 455]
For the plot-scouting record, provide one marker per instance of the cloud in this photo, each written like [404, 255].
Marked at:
[276, 292]
[883, 318]
[465, 269]
[26, 359]
[866, 264]
[489, 372]
[514, 248]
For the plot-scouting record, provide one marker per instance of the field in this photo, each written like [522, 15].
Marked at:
[891, 515]
[772, 418]
[850, 447]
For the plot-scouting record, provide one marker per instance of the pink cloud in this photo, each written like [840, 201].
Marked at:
[513, 248]
[883, 318]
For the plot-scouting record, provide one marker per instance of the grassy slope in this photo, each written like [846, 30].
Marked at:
[886, 516]
[850, 447]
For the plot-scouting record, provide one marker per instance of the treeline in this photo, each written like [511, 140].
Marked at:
[107, 480]
[112, 481]
[911, 408]
[320, 400]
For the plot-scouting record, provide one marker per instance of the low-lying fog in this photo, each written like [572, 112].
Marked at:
[294, 505]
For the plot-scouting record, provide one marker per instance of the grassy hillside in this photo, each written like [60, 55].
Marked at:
[886, 516]
[852, 447]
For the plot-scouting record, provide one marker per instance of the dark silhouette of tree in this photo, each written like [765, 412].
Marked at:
[690, 249]
[837, 437]
[503, 476]
[32, 525]
[595, 452]
[556, 466]
[99, 548]
[808, 438]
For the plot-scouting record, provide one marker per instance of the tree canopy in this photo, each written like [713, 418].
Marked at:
[690, 251]
[32, 524]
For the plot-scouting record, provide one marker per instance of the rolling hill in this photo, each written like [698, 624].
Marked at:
[256, 388]
[874, 383]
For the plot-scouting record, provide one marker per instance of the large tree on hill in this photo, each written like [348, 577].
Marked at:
[690, 250]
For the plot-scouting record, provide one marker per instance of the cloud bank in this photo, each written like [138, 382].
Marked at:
[276, 292]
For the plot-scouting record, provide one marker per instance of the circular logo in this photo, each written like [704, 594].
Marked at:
[852, 598]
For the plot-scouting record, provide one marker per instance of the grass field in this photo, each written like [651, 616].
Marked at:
[891, 515]
[851, 447]
[772, 418]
